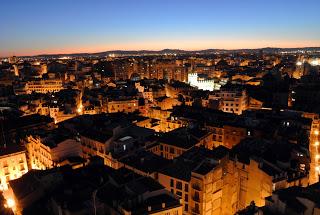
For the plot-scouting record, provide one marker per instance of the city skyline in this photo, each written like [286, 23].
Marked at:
[32, 28]
[160, 107]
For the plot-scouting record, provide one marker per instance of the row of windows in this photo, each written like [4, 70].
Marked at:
[179, 185]
[7, 171]
[231, 109]
[170, 149]
[174, 213]
[231, 104]
[13, 161]
[217, 138]
[11, 177]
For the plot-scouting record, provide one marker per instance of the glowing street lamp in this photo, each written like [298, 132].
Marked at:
[316, 143]
[79, 110]
[316, 132]
[10, 203]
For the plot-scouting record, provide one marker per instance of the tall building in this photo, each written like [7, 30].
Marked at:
[314, 148]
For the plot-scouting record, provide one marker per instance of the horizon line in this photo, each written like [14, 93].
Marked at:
[158, 50]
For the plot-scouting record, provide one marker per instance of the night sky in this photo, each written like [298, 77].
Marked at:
[68, 26]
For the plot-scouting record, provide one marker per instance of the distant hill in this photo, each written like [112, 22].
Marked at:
[178, 52]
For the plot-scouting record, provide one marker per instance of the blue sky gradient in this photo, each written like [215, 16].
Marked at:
[67, 26]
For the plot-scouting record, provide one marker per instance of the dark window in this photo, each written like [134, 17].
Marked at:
[186, 187]
[171, 183]
[179, 185]
[185, 207]
[196, 195]
[179, 193]
[171, 150]
[196, 208]
[186, 198]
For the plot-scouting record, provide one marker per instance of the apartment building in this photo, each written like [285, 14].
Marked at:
[13, 164]
[123, 105]
[48, 148]
[44, 86]
[234, 100]
[196, 177]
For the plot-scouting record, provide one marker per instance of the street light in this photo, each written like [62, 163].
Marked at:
[10, 203]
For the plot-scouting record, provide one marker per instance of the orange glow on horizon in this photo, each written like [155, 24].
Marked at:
[189, 45]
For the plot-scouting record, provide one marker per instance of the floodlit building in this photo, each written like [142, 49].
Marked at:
[208, 84]
[13, 164]
[44, 86]
[47, 150]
